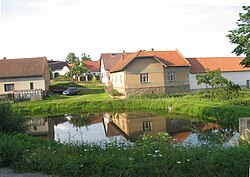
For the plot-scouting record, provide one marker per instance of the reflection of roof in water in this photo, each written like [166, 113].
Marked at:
[201, 126]
[111, 130]
[97, 119]
[181, 136]
[133, 115]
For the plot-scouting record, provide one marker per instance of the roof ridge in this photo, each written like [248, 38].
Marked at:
[212, 57]
[22, 58]
[182, 57]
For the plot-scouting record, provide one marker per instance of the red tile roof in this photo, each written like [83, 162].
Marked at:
[225, 64]
[167, 58]
[92, 66]
[110, 59]
[22, 67]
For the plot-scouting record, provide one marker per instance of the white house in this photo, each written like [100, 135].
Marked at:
[58, 68]
[24, 74]
[229, 66]
[107, 61]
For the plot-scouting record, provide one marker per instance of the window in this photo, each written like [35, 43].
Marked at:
[9, 87]
[174, 123]
[115, 79]
[31, 85]
[144, 77]
[171, 76]
[147, 126]
[120, 78]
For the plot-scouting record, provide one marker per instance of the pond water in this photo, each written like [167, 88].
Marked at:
[128, 126]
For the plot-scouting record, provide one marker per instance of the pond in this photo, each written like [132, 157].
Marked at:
[129, 126]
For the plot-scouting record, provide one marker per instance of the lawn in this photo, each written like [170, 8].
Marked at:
[93, 97]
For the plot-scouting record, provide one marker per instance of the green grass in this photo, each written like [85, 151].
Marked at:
[191, 105]
[151, 158]
[79, 84]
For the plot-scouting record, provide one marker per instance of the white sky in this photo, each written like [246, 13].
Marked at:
[53, 28]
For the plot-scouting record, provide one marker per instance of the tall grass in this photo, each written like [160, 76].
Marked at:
[151, 158]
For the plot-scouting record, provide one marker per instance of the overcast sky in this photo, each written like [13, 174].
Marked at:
[53, 28]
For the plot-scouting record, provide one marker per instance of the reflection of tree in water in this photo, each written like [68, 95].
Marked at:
[212, 133]
[82, 120]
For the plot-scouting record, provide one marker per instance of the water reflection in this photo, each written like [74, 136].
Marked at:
[122, 126]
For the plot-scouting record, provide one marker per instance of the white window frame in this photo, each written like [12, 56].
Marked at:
[144, 77]
[172, 76]
[147, 126]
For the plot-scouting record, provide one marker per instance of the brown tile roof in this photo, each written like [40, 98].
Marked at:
[110, 59]
[167, 58]
[22, 67]
[92, 66]
[225, 64]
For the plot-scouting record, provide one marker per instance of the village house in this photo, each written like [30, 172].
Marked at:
[93, 68]
[58, 68]
[151, 72]
[24, 74]
[229, 66]
[107, 61]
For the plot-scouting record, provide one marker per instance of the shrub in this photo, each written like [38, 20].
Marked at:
[11, 121]
[113, 92]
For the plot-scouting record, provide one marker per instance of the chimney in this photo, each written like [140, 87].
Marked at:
[4, 58]
[123, 54]
[152, 49]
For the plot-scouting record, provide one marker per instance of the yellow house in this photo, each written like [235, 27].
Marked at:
[24, 74]
[151, 72]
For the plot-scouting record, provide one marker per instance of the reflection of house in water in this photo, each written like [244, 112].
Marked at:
[109, 127]
[44, 126]
[135, 124]
[41, 127]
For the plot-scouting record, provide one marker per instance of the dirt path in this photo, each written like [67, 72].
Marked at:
[6, 172]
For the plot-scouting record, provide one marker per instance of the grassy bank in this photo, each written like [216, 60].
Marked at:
[195, 105]
[151, 158]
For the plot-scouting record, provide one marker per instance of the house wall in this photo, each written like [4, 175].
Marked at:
[62, 71]
[104, 74]
[24, 83]
[46, 78]
[155, 70]
[239, 78]
[117, 81]
[181, 84]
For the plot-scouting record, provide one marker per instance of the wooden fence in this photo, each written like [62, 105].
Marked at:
[23, 95]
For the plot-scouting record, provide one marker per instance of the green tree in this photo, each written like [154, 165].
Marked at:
[71, 58]
[241, 36]
[220, 86]
[77, 70]
[85, 57]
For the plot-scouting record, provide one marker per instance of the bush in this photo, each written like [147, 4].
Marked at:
[11, 121]
[113, 92]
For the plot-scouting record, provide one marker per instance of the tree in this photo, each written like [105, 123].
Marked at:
[71, 58]
[220, 86]
[77, 70]
[85, 57]
[241, 36]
